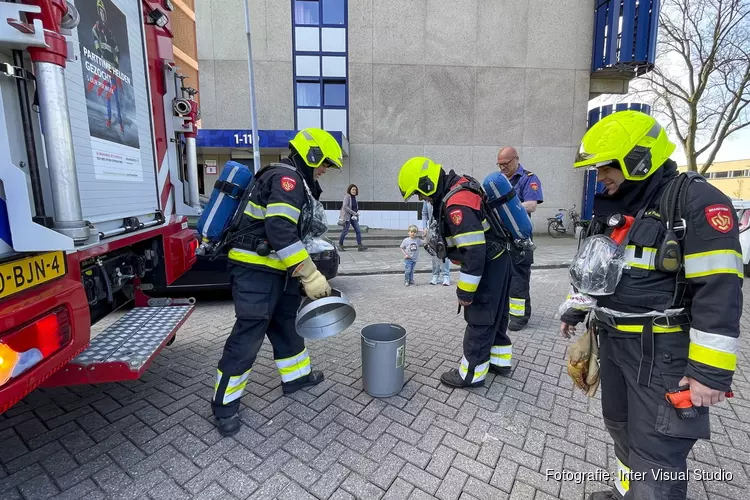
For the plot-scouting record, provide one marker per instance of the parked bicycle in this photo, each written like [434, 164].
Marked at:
[556, 226]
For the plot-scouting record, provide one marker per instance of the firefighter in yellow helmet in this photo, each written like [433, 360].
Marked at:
[461, 233]
[266, 260]
[671, 320]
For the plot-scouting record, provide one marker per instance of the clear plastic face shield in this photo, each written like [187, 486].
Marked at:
[598, 266]
[313, 240]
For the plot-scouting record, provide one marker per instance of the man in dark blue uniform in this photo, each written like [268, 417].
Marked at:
[529, 191]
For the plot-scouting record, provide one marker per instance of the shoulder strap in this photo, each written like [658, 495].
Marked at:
[672, 203]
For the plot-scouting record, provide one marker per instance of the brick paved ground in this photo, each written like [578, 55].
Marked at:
[153, 438]
[549, 253]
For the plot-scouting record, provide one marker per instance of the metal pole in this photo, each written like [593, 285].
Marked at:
[192, 171]
[253, 115]
[58, 139]
[29, 139]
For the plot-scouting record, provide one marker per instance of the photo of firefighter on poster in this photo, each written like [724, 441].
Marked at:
[107, 73]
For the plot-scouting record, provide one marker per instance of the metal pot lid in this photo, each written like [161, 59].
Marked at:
[321, 318]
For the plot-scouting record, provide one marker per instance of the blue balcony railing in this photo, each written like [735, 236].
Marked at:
[590, 186]
[624, 37]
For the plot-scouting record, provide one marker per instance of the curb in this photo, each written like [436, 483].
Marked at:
[429, 271]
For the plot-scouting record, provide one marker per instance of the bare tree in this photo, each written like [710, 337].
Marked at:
[738, 192]
[701, 79]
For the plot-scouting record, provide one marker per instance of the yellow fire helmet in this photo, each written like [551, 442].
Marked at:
[418, 174]
[316, 146]
[634, 140]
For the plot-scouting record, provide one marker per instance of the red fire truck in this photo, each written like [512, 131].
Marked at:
[97, 155]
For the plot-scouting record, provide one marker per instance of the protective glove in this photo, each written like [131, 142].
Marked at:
[313, 281]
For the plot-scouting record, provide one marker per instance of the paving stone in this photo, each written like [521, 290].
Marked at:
[78, 491]
[272, 487]
[462, 446]
[412, 454]
[388, 470]
[472, 467]
[361, 488]
[237, 483]
[357, 462]
[295, 492]
[381, 447]
[168, 490]
[441, 461]
[329, 481]
[419, 478]
[38, 488]
[490, 452]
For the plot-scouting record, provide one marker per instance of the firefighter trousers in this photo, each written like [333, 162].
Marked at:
[486, 340]
[520, 298]
[651, 441]
[265, 304]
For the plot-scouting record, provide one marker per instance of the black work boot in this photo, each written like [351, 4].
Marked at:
[228, 426]
[361, 248]
[314, 378]
[500, 370]
[604, 495]
[516, 325]
[453, 379]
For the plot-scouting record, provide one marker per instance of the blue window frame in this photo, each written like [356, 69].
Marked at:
[308, 94]
[306, 12]
[326, 91]
[334, 93]
[334, 12]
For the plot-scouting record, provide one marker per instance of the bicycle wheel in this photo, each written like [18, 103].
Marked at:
[555, 229]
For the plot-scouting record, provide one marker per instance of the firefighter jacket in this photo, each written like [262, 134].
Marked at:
[272, 216]
[468, 236]
[708, 287]
[105, 44]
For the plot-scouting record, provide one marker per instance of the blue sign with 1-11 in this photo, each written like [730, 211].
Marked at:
[243, 138]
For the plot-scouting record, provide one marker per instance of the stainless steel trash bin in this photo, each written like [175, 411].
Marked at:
[383, 359]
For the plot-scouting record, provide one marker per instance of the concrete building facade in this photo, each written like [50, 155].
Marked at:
[455, 81]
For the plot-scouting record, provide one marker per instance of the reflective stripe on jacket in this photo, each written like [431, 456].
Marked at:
[273, 213]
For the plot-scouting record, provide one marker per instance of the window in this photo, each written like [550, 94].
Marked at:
[307, 12]
[334, 66]
[308, 94]
[308, 66]
[333, 12]
[334, 40]
[307, 39]
[319, 42]
[334, 93]
[308, 118]
[721, 175]
[334, 119]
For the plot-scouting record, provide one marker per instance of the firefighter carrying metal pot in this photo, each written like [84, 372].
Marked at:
[462, 233]
[668, 318]
[266, 259]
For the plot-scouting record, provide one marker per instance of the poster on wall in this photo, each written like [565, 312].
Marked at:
[110, 96]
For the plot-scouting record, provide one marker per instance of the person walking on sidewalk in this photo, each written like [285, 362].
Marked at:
[440, 270]
[528, 188]
[350, 217]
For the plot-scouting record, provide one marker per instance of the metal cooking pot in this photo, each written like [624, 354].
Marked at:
[324, 317]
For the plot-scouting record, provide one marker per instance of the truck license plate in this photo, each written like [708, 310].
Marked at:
[19, 275]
